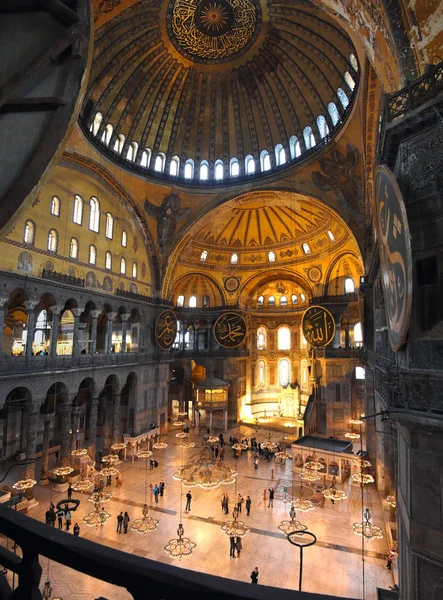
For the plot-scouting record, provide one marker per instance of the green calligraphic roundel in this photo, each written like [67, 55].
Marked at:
[230, 330]
[166, 329]
[318, 326]
[394, 245]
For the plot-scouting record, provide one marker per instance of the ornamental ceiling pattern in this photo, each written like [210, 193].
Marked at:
[212, 80]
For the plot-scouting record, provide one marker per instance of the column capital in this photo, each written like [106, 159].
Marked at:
[56, 309]
[95, 313]
[125, 316]
[3, 301]
[111, 315]
[30, 304]
[77, 311]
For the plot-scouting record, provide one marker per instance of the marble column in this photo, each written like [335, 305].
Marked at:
[56, 310]
[75, 423]
[30, 305]
[75, 345]
[45, 450]
[116, 418]
[197, 421]
[210, 420]
[111, 316]
[124, 319]
[225, 415]
[93, 346]
[65, 445]
[92, 433]
[337, 343]
[347, 335]
[23, 429]
[2, 321]
[31, 443]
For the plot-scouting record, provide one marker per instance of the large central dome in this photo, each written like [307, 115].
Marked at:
[212, 90]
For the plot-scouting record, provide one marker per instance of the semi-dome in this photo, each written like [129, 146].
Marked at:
[209, 91]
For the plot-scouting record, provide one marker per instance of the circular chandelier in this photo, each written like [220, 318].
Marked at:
[302, 503]
[100, 497]
[145, 524]
[180, 546]
[182, 435]
[314, 465]
[178, 423]
[309, 476]
[352, 436]
[361, 462]
[212, 439]
[144, 453]
[24, 484]
[391, 501]
[118, 446]
[97, 518]
[111, 459]
[269, 445]
[205, 472]
[356, 422]
[109, 471]
[182, 414]
[366, 528]
[293, 525]
[235, 527]
[283, 455]
[79, 452]
[362, 478]
[81, 485]
[160, 445]
[239, 446]
[63, 471]
[332, 493]
[187, 445]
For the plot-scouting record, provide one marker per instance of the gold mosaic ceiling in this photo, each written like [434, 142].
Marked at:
[216, 79]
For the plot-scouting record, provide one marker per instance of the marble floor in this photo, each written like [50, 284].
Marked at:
[332, 566]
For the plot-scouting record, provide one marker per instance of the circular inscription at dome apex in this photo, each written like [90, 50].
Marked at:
[213, 30]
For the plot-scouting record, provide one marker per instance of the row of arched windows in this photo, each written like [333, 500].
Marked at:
[284, 373]
[193, 301]
[201, 171]
[283, 301]
[94, 216]
[284, 338]
[74, 247]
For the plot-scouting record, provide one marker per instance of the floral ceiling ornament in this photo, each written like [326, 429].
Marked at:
[339, 175]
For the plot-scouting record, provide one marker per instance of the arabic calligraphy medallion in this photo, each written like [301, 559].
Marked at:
[318, 326]
[166, 329]
[395, 255]
[230, 330]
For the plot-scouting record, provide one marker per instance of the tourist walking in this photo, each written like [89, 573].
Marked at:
[70, 491]
[156, 493]
[256, 462]
[118, 480]
[238, 545]
[119, 522]
[240, 501]
[68, 519]
[271, 497]
[223, 502]
[126, 520]
[248, 506]
[254, 575]
[162, 488]
[221, 454]
[76, 529]
[232, 546]
[188, 500]
[60, 516]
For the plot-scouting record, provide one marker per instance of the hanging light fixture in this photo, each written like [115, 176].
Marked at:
[97, 518]
[146, 523]
[24, 484]
[109, 471]
[239, 446]
[309, 476]
[82, 485]
[178, 423]
[235, 527]
[332, 493]
[205, 472]
[283, 455]
[352, 436]
[182, 435]
[118, 446]
[111, 459]
[212, 439]
[78, 452]
[181, 545]
[362, 463]
[314, 464]
[356, 421]
[391, 500]
[100, 497]
[182, 414]
[160, 445]
[302, 503]
[144, 452]
[63, 471]
[362, 478]
[187, 445]
[293, 525]
[366, 528]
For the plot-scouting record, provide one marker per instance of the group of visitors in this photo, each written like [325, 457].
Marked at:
[235, 546]
[63, 515]
[123, 522]
[158, 490]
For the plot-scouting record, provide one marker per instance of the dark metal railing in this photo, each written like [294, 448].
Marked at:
[415, 93]
[63, 278]
[142, 297]
[145, 579]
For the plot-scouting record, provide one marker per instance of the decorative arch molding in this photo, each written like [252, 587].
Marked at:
[347, 254]
[257, 280]
[94, 170]
[211, 280]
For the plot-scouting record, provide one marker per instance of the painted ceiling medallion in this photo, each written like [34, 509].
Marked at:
[208, 30]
